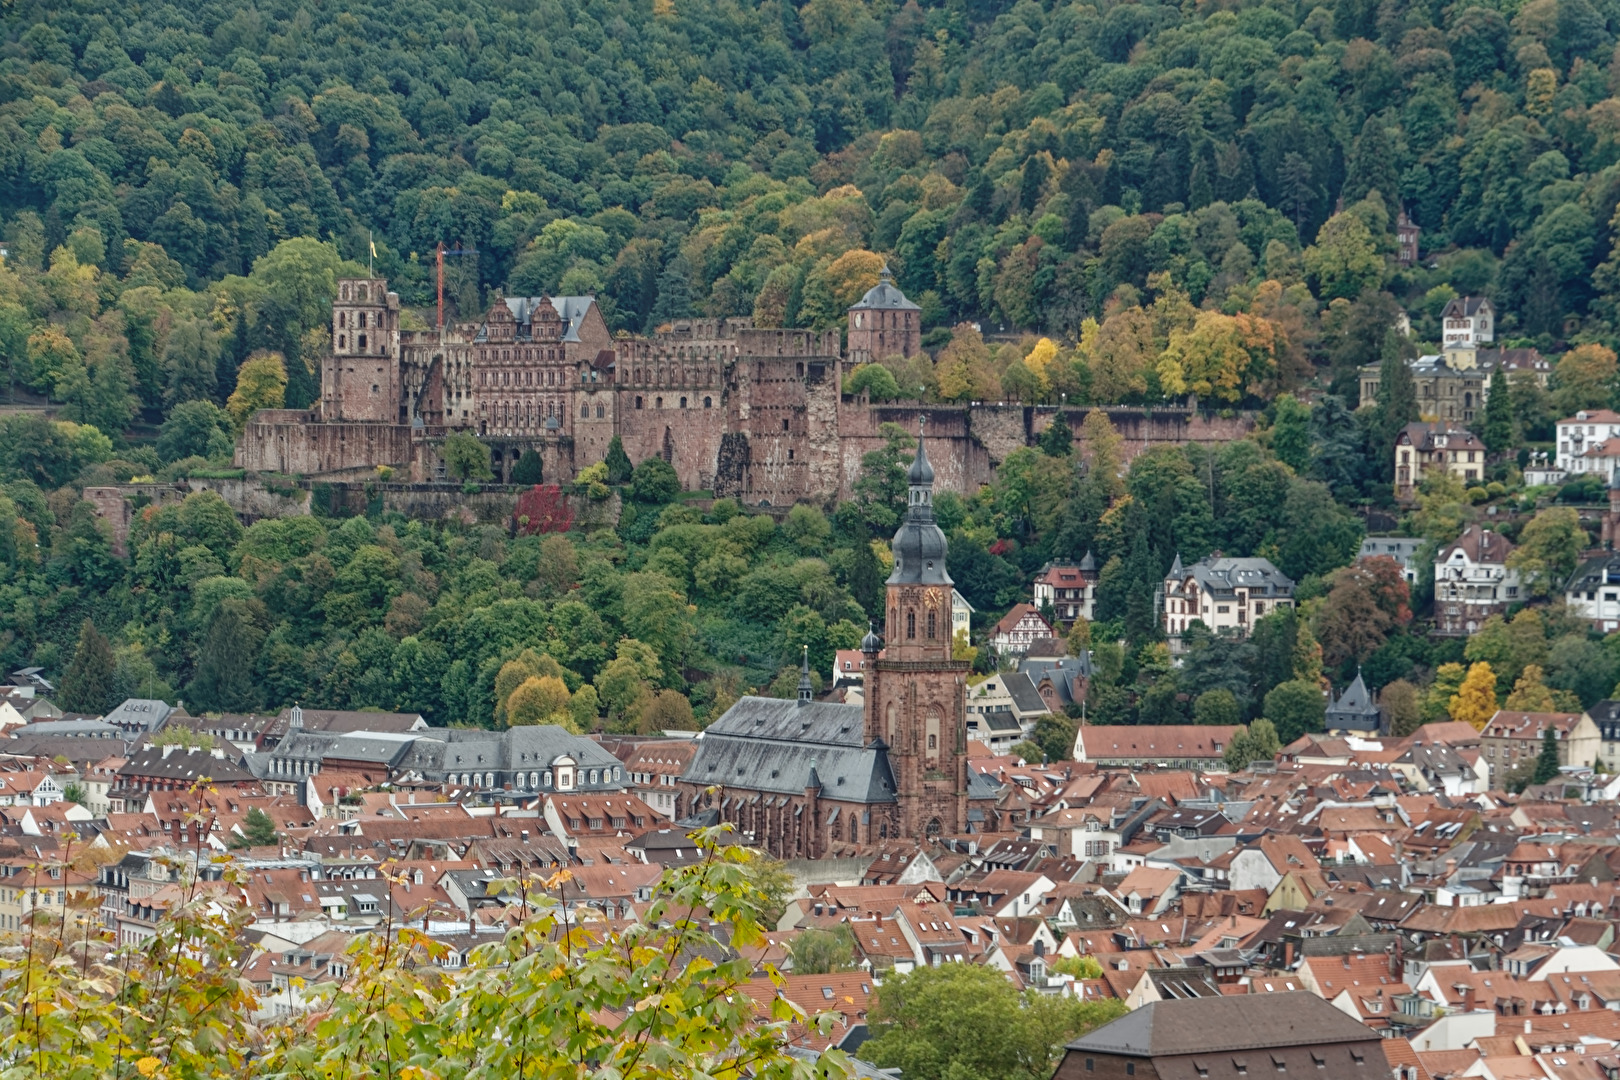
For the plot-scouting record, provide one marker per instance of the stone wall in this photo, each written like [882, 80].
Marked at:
[295, 442]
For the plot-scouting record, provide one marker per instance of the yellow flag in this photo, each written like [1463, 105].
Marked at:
[374, 249]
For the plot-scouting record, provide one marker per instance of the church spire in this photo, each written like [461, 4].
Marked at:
[806, 690]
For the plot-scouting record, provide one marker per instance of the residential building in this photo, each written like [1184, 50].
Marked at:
[1071, 591]
[1168, 746]
[961, 615]
[1579, 434]
[1018, 630]
[1354, 711]
[1594, 591]
[1226, 595]
[849, 668]
[1606, 715]
[1221, 1037]
[1467, 322]
[1060, 680]
[1472, 581]
[1403, 549]
[653, 770]
[1427, 447]
[1450, 388]
[1512, 737]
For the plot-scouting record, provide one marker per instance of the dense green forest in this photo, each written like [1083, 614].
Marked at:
[1142, 200]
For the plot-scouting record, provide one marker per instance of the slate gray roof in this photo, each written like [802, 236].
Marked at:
[1062, 670]
[885, 296]
[75, 729]
[771, 745]
[919, 544]
[1595, 572]
[438, 751]
[572, 309]
[146, 714]
[1022, 690]
[1223, 577]
[183, 764]
[1214, 1025]
[1354, 708]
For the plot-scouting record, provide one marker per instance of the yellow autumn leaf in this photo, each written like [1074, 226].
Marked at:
[147, 1066]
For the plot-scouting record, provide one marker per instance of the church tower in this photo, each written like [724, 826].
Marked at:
[916, 695]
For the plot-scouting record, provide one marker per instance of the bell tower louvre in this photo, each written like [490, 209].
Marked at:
[916, 695]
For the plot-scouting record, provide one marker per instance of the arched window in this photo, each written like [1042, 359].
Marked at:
[362, 318]
[584, 412]
[708, 403]
[638, 401]
[343, 341]
[911, 624]
[343, 318]
[931, 627]
[933, 741]
[683, 403]
[360, 342]
[658, 403]
[545, 778]
[599, 412]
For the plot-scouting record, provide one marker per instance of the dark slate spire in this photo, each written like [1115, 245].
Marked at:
[919, 546]
[806, 691]
[871, 644]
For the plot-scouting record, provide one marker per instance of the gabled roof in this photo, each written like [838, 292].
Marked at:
[1478, 545]
[771, 744]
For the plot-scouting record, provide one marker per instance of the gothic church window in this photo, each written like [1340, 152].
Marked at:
[911, 624]
[931, 628]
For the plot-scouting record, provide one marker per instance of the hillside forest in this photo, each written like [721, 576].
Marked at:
[1092, 203]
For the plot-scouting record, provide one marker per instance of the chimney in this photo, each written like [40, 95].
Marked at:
[1288, 954]
[1467, 997]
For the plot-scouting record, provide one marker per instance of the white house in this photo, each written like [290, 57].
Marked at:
[1472, 581]
[1077, 831]
[1467, 323]
[1403, 549]
[961, 615]
[1224, 594]
[1594, 592]
[1071, 591]
[1579, 434]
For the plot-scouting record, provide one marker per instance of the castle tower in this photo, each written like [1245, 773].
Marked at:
[361, 379]
[884, 323]
[916, 694]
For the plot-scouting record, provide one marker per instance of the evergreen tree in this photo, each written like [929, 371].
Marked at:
[1546, 761]
[1057, 440]
[258, 830]
[1372, 168]
[1144, 576]
[1497, 432]
[866, 576]
[674, 292]
[87, 687]
[224, 680]
[618, 462]
[528, 469]
[1397, 407]
[232, 358]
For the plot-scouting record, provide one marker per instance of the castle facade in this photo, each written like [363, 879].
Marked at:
[755, 414]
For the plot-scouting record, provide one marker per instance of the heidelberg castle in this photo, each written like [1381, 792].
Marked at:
[755, 414]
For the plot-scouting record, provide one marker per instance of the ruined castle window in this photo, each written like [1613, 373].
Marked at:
[599, 412]
[345, 292]
[911, 624]
[683, 403]
[360, 292]
[343, 318]
[528, 378]
[784, 425]
[360, 319]
[343, 341]
[708, 403]
[800, 370]
[790, 453]
[360, 342]
[506, 378]
[658, 403]
[638, 401]
[551, 378]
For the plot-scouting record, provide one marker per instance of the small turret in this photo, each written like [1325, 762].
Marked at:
[807, 692]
